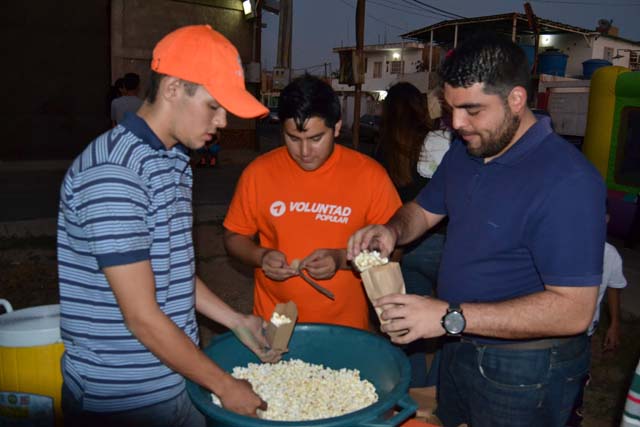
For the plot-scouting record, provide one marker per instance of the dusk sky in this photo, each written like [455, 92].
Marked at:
[321, 25]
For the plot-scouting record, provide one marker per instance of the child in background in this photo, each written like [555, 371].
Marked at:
[613, 281]
[209, 153]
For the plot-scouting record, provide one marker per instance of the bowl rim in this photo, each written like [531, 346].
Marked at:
[372, 411]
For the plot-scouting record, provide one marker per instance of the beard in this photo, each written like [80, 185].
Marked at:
[497, 139]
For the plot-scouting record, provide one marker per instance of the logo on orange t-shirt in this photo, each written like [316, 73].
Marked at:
[278, 208]
[323, 211]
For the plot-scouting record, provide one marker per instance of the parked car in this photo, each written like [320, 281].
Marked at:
[369, 128]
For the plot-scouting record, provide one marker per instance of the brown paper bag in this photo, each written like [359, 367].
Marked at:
[278, 336]
[383, 280]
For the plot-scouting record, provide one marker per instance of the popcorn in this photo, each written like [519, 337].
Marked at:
[366, 259]
[279, 319]
[299, 391]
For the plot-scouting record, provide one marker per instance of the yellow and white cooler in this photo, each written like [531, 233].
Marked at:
[30, 376]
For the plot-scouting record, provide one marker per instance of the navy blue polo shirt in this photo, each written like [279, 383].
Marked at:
[533, 216]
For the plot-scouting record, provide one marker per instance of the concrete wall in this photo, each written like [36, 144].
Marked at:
[604, 41]
[581, 49]
[574, 45]
[411, 58]
[137, 25]
[56, 74]
[60, 58]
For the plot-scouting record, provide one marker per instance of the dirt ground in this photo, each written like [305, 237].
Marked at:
[29, 274]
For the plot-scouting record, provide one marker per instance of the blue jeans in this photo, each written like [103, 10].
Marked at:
[419, 265]
[178, 412]
[487, 386]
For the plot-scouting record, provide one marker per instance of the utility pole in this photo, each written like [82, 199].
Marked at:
[358, 71]
[257, 54]
[533, 25]
[284, 37]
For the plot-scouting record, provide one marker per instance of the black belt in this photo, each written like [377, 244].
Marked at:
[541, 344]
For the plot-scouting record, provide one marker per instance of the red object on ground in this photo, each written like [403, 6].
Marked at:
[416, 423]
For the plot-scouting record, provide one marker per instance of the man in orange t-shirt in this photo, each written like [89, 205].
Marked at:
[303, 201]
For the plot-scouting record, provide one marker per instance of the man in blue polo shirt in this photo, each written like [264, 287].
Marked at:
[523, 258]
[128, 285]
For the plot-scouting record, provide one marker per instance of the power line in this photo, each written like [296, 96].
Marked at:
[437, 10]
[407, 11]
[585, 3]
[311, 67]
[375, 18]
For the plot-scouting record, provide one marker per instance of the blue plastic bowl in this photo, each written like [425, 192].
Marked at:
[335, 347]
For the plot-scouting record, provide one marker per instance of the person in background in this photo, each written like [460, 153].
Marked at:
[129, 290]
[209, 153]
[613, 281]
[410, 150]
[115, 91]
[294, 208]
[522, 262]
[129, 101]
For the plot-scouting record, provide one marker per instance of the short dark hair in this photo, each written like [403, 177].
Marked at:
[131, 81]
[490, 59]
[154, 85]
[308, 96]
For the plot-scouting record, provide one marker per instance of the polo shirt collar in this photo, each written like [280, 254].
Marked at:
[135, 124]
[528, 142]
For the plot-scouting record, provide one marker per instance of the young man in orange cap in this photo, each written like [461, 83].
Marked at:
[128, 287]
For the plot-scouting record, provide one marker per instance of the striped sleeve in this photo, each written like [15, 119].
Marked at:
[110, 205]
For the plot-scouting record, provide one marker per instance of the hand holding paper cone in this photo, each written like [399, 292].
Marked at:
[251, 332]
[279, 330]
[418, 315]
[383, 280]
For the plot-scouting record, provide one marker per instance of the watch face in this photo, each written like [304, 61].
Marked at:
[454, 322]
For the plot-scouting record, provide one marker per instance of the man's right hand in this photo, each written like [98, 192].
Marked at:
[275, 266]
[240, 398]
[378, 237]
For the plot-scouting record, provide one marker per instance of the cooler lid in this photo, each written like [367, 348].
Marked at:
[30, 327]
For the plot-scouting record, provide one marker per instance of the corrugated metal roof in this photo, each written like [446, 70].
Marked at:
[500, 23]
[383, 47]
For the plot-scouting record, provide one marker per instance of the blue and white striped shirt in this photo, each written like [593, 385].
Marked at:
[125, 198]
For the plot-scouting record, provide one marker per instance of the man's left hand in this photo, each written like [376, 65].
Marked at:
[250, 331]
[419, 315]
[322, 263]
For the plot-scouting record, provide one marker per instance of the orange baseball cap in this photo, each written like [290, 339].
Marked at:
[199, 54]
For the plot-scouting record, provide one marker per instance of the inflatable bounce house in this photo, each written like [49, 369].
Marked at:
[612, 143]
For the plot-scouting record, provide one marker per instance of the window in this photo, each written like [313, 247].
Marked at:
[377, 70]
[634, 60]
[366, 65]
[397, 67]
[608, 54]
[627, 168]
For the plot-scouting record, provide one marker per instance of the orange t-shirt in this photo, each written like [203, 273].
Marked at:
[297, 212]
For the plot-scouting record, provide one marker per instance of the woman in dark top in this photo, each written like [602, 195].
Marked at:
[405, 125]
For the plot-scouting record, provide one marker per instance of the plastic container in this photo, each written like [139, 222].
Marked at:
[335, 347]
[553, 63]
[591, 65]
[30, 376]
